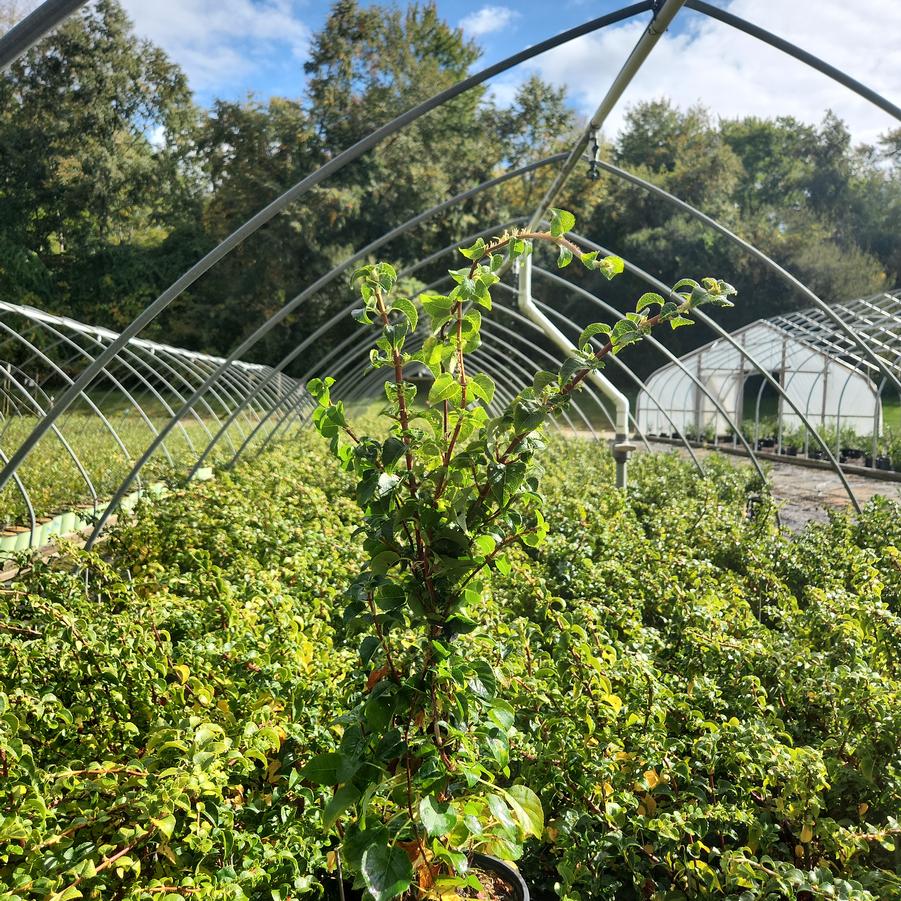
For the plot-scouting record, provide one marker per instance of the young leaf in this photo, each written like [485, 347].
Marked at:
[445, 387]
[476, 252]
[482, 386]
[678, 321]
[647, 300]
[319, 389]
[564, 258]
[386, 275]
[596, 328]
[542, 379]
[166, 825]
[610, 266]
[484, 545]
[561, 222]
[437, 306]
[402, 305]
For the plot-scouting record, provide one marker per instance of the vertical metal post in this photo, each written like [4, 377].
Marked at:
[621, 446]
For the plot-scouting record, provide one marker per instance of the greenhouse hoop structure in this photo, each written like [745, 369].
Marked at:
[827, 366]
[818, 368]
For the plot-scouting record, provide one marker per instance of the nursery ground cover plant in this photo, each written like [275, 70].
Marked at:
[766, 659]
[54, 482]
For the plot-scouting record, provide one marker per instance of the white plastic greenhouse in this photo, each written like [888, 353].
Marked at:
[820, 370]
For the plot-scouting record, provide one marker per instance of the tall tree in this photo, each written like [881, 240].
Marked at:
[94, 160]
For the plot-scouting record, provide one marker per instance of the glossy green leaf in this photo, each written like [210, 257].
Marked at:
[438, 818]
[386, 871]
[445, 388]
[332, 768]
[482, 386]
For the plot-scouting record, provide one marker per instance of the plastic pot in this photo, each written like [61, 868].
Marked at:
[506, 873]
[791, 451]
[510, 875]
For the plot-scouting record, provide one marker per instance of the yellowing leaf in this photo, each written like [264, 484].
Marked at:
[166, 825]
[182, 672]
[806, 833]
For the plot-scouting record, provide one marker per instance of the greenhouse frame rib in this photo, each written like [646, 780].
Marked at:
[261, 406]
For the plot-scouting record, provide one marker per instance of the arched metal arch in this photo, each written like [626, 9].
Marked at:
[52, 12]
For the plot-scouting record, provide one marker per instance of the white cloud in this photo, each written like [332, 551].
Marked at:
[735, 75]
[220, 43]
[487, 20]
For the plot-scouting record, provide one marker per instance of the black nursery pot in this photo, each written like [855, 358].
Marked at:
[507, 874]
[791, 451]
[504, 871]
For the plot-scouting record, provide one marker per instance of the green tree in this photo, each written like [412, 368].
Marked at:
[366, 65]
[95, 133]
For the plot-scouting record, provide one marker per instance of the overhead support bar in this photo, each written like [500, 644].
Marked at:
[767, 261]
[755, 31]
[663, 16]
[33, 27]
[294, 193]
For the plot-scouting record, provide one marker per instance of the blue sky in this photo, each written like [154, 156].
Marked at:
[232, 47]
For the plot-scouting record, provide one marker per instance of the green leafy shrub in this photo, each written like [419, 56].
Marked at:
[422, 776]
[767, 658]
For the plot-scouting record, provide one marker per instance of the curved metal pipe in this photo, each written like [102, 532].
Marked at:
[703, 317]
[20, 38]
[332, 274]
[29, 508]
[329, 324]
[612, 311]
[59, 371]
[767, 37]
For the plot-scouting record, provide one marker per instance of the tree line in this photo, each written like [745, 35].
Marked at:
[113, 181]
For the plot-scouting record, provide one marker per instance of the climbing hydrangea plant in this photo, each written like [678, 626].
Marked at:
[423, 774]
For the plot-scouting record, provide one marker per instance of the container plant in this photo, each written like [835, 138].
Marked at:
[423, 778]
